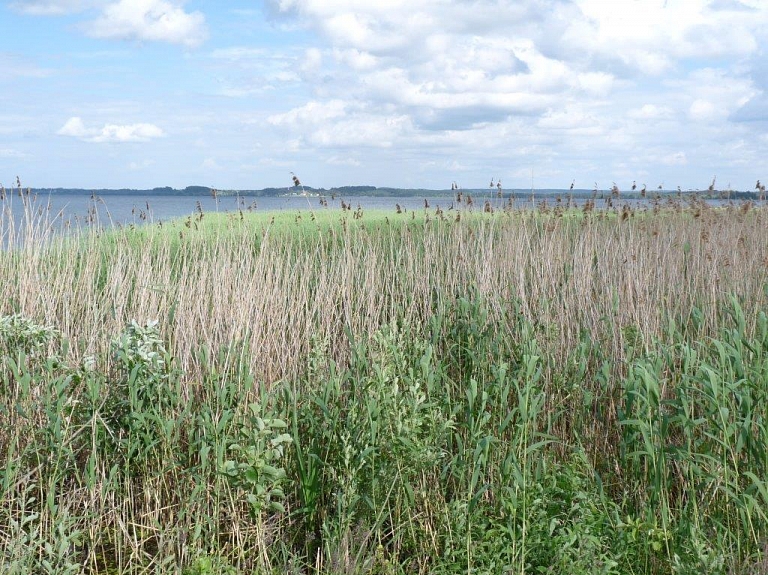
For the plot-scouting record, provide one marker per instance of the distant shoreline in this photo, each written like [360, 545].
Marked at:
[384, 192]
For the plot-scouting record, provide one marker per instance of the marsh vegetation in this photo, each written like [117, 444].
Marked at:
[503, 391]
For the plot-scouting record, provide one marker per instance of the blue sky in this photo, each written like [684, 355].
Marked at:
[405, 93]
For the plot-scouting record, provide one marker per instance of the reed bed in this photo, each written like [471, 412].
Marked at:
[273, 287]
[520, 391]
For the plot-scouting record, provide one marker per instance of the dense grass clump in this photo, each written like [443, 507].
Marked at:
[508, 392]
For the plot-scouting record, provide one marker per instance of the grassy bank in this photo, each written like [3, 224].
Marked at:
[552, 391]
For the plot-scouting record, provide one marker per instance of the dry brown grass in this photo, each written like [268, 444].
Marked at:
[275, 289]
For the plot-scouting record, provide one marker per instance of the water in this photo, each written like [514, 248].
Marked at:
[77, 210]
[69, 211]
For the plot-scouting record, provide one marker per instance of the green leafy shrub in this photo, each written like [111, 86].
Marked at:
[21, 334]
[142, 395]
[254, 469]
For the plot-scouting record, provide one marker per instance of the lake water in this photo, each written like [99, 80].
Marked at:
[129, 208]
[79, 210]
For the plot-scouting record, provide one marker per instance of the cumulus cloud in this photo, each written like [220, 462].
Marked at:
[754, 110]
[250, 72]
[650, 112]
[725, 90]
[310, 114]
[313, 60]
[149, 20]
[342, 124]
[502, 85]
[428, 62]
[355, 59]
[136, 20]
[702, 110]
[110, 133]
[652, 37]
[556, 79]
[572, 118]
[362, 130]
[648, 36]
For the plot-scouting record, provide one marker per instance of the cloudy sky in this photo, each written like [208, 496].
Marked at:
[405, 93]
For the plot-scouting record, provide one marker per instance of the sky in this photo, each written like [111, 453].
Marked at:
[238, 94]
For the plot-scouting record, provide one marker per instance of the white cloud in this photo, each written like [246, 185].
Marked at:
[650, 112]
[649, 35]
[596, 83]
[363, 130]
[111, 133]
[342, 124]
[653, 36]
[74, 127]
[313, 60]
[149, 20]
[138, 20]
[586, 89]
[428, 61]
[248, 72]
[571, 118]
[702, 110]
[355, 59]
[310, 114]
[548, 84]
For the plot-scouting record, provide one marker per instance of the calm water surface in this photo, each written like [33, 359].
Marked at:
[80, 210]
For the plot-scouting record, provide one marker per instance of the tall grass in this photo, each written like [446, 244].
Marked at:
[272, 285]
[515, 391]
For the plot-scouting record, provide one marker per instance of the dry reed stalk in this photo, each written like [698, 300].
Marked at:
[217, 289]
